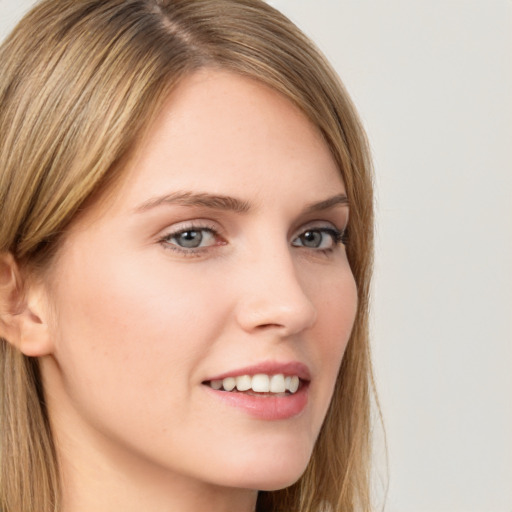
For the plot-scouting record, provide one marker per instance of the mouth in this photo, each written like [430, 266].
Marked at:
[260, 384]
[268, 391]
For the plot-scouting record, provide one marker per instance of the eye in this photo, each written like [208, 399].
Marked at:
[319, 238]
[191, 238]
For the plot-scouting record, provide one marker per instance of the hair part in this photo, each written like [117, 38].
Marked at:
[81, 80]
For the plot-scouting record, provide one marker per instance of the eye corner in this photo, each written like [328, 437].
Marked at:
[343, 236]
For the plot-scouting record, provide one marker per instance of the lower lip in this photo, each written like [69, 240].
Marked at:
[266, 407]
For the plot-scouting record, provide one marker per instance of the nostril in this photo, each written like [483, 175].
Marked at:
[269, 326]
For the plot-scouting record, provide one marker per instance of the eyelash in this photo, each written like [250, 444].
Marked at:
[339, 237]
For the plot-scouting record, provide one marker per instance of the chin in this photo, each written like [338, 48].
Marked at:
[270, 474]
[280, 482]
[269, 482]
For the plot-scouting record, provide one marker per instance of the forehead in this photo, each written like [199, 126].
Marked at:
[217, 123]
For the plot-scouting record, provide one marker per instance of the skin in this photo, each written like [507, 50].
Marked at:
[135, 325]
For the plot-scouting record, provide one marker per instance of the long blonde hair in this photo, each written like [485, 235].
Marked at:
[80, 81]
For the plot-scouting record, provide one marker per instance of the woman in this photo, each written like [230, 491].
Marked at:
[183, 301]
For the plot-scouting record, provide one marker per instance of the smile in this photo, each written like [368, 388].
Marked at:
[260, 383]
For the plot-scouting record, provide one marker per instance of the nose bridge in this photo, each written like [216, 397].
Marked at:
[272, 294]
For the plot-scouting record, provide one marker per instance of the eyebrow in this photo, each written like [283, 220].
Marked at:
[228, 203]
[331, 202]
[215, 202]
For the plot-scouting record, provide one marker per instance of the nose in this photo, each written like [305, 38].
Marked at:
[273, 297]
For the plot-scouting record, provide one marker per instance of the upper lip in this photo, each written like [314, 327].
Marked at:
[289, 368]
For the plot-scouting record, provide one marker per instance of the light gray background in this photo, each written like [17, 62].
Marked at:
[433, 82]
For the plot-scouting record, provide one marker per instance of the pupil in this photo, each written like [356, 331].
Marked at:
[312, 239]
[190, 239]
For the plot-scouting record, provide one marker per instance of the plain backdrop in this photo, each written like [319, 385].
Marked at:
[432, 80]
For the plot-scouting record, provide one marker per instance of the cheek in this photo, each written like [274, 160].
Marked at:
[336, 303]
[129, 332]
[334, 294]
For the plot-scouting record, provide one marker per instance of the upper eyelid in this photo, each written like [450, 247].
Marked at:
[218, 229]
[319, 225]
[211, 226]
[199, 224]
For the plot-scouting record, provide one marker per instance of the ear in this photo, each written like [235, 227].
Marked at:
[23, 310]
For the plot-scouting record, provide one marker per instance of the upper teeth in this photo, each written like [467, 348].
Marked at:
[260, 383]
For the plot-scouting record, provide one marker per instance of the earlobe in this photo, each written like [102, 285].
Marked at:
[23, 310]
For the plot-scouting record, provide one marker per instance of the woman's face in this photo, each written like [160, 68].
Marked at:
[219, 256]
